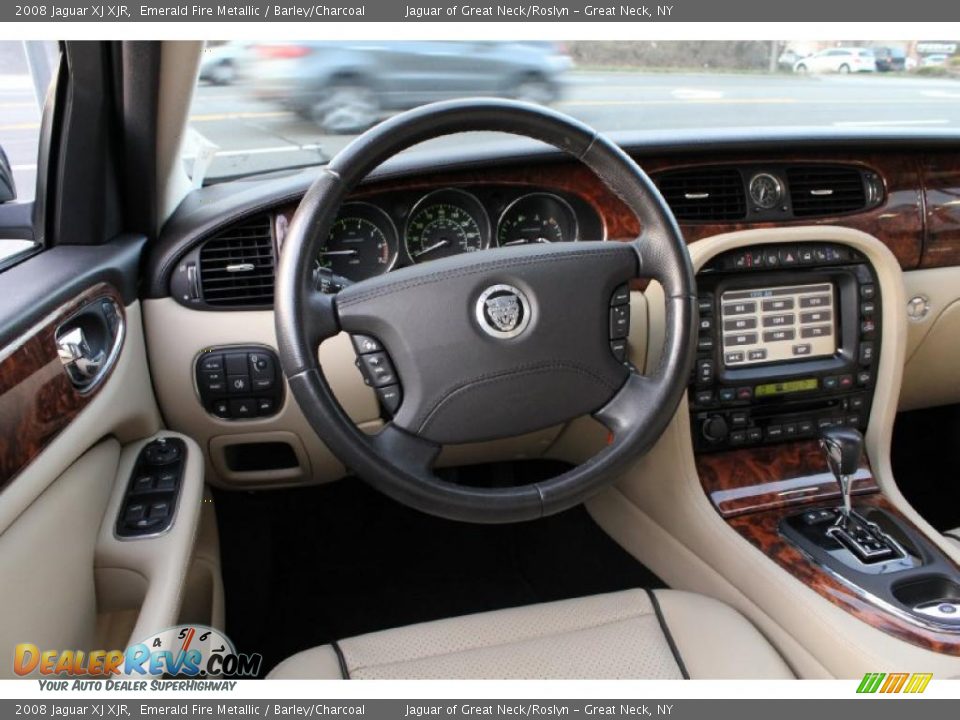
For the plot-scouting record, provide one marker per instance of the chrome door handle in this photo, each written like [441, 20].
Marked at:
[80, 362]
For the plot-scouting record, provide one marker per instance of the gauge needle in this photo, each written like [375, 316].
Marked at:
[332, 253]
[431, 248]
[525, 242]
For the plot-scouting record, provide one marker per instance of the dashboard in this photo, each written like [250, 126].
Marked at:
[788, 347]
[378, 232]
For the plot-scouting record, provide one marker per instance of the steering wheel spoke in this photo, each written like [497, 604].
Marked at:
[630, 405]
[410, 452]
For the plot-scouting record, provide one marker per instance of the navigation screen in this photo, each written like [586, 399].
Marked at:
[778, 324]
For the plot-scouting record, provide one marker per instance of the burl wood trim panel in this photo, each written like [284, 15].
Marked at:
[37, 400]
[761, 530]
[773, 476]
[941, 183]
[898, 222]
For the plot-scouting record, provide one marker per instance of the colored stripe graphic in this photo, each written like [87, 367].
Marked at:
[870, 682]
[918, 682]
[894, 683]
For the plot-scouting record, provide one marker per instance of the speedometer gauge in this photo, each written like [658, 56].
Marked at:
[446, 222]
[537, 218]
[362, 243]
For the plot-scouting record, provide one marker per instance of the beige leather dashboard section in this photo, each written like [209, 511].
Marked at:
[931, 375]
[148, 575]
[176, 335]
[659, 512]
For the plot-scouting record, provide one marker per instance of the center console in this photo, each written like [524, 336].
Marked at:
[788, 344]
[788, 354]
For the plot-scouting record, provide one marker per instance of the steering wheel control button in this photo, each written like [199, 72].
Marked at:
[503, 311]
[378, 370]
[149, 506]
[239, 383]
[619, 322]
[621, 296]
[619, 349]
[389, 398]
[364, 344]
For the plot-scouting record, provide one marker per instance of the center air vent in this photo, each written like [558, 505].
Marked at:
[236, 265]
[828, 190]
[705, 194]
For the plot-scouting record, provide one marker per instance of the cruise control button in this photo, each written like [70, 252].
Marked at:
[389, 397]
[619, 321]
[619, 349]
[378, 369]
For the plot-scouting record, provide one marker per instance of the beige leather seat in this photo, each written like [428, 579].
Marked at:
[666, 634]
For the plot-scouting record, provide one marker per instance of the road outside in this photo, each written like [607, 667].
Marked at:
[251, 136]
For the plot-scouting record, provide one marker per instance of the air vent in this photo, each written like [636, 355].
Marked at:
[705, 194]
[817, 190]
[236, 265]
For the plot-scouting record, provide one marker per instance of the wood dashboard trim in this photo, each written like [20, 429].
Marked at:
[37, 399]
[898, 222]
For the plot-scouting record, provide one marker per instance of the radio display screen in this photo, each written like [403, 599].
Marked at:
[784, 388]
[778, 324]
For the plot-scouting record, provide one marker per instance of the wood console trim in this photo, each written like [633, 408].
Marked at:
[941, 185]
[898, 222]
[773, 476]
[37, 399]
[761, 529]
[744, 487]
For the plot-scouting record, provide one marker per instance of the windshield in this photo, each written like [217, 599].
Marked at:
[265, 106]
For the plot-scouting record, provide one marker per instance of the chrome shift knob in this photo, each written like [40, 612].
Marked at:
[843, 447]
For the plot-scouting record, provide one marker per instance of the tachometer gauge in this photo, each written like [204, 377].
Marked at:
[446, 222]
[537, 218]
[766, 191]
[362, 243]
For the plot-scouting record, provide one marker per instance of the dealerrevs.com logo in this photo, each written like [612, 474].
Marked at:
[184, 651]
[889, 683]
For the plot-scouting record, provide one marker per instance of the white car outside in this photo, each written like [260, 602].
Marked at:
[838, 60]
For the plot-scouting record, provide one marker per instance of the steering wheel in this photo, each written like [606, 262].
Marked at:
[489, 344]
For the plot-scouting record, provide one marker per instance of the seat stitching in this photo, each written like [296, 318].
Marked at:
[506, 643]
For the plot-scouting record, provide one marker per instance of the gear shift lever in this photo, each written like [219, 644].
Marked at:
[843, 447]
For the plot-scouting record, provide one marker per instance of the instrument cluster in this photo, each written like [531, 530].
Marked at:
[372, 235]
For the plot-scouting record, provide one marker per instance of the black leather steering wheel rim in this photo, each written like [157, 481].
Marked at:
[398, 459]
